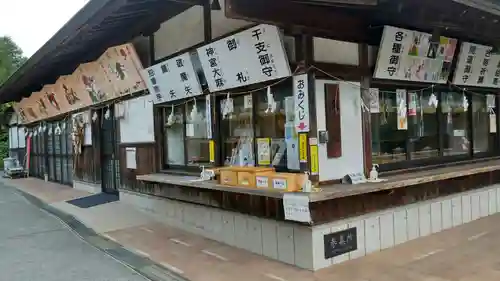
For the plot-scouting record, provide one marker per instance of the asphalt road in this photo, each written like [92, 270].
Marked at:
[36, 246]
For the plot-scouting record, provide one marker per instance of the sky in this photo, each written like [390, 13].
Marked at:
[31, 23]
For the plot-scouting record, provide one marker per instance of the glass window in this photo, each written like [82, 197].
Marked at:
[174, 135]
[197, 142]
[388, 142]
[236, 131]
[454, 107]
[483, 123]
[277, 141]
[423, 126]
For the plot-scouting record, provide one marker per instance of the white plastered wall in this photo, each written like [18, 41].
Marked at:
[351, 160]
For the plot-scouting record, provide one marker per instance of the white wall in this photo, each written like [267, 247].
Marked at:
[180, 32]
[351, 160]
[136, 123]
[333, 51]
[222, 25]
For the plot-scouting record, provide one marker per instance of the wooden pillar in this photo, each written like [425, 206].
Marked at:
[309, 143]
[365, 112]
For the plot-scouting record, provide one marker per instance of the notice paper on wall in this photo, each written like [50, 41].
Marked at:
[130, 158]
[296, 207]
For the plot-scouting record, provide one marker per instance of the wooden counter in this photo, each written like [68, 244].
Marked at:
[334, 191]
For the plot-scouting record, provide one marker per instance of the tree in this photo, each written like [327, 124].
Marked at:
[11, 58]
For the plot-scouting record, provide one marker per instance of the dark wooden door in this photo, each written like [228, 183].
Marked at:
[109, 152]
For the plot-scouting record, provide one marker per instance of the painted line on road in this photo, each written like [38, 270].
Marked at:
[177, 241]
[477, 236]
[147, 229]
[217, 256]
[172, 268]
[427, 255]
[272, 276]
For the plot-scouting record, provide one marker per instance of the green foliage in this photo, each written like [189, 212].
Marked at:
[11, 58]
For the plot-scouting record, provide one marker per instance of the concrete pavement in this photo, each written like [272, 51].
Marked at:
[465, 253]
[36, 246]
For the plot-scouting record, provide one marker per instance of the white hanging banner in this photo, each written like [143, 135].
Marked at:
[477, 66]
[402, 109]
[208, 115]
[248, 57]
[410, 56]
[301, 103]
[374, 100]
[172, 79]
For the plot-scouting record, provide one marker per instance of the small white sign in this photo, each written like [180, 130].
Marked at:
[477, 66]
[279, 184]
[301, 103]
[296, 207]
[248, 57]
[262, 182]
[172, 79]
[130, 158]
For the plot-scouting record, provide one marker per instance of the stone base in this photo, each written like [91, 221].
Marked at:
[303, 246]
[86, 186]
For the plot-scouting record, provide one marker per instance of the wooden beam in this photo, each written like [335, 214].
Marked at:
[328, 20]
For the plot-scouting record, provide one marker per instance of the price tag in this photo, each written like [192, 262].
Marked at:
[262, 182]
[279, 184]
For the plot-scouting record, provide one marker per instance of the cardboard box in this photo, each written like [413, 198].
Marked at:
[228, 177]
[290, 182]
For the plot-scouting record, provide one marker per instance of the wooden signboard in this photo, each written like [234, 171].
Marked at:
[52, 101]
[28, 104]
[20, 112]
[91, 77]
[41, 106]
[70, 99]
[122, 66]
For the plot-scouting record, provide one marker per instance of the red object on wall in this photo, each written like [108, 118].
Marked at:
[28, 153]
[333, 124]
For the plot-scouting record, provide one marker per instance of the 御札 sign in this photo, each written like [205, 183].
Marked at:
[172, 79]
[411, 56]
[477, 66]
[301, 103]
[248, 57]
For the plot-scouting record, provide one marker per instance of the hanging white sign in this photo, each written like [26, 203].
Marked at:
[208, 115]
[301, 103]
[374, 100]
[248, 57]
[409, 55]
[296, 207]
[172, 79]
[402, 106]
[477, 66]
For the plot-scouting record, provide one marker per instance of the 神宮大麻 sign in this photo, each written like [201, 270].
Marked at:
[412, 56]
[251, 56]
[477, 66]
[172, 79]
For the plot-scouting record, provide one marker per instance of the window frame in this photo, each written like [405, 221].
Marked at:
[440, 90]
[216, 127]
